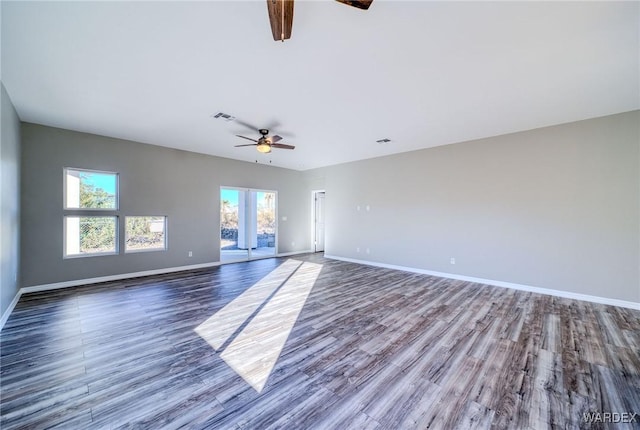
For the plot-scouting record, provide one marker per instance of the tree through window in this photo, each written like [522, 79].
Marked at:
[85, 192]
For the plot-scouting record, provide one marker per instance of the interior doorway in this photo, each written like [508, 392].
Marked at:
[318, 220]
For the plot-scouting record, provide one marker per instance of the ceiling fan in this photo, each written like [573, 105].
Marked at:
[265, 143]
[281, 15]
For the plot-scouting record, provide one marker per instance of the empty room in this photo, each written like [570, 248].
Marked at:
[320, 215]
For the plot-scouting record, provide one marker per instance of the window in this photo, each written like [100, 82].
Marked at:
[145, 233]
[87, 189]
[85, 233]
[90, 235]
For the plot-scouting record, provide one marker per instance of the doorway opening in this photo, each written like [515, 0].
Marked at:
[248, 227]
[318, 220]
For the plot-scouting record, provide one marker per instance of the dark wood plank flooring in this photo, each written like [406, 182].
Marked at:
[372, 348]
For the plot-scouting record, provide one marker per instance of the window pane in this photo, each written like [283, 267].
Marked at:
[266, 223]
[144, 233]
[90, 190]
[87, 235]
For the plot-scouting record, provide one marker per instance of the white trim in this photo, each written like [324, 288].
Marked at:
[521, 287]
[104, 172]
[78, 282]
[313, 218]
[247, 204]
[88, 281]
[165, 246]
[116, 250]
[7, 313]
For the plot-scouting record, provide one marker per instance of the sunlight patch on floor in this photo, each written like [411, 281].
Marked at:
[254, 352]
[221, 325]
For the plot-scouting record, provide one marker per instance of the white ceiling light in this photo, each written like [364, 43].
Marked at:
[263, 146]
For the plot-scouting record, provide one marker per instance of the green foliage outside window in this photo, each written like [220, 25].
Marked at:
[145, 233]
[97, 234]
[228, 215]
[93, 197]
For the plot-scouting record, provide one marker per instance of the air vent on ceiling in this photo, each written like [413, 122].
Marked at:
[224, 116]
[383, 141]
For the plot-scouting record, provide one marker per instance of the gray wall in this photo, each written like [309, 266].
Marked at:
[153, 181]
[10, 207]
[554, 208]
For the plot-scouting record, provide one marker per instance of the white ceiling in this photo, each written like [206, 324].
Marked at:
[422, 74]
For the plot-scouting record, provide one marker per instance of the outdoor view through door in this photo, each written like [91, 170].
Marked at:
[247, 224]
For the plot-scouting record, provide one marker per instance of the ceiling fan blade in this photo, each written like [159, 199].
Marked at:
[281, 18]
[248, 138]
[246, 125]
[277, 125]
[282, 146]
[276, 138]
[360, 4]
[273, 125]
[248, 144]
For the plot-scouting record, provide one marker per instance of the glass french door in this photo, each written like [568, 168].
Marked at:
[247, 224]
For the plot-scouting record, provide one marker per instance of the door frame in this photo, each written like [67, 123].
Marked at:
[248, 226]
[313, 217]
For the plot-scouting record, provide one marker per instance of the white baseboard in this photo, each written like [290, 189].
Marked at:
[78, 282]
[87, 281]
[558, 293]
[529, 288]
[14, 302]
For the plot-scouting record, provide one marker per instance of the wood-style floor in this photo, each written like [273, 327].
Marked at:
[371, 348]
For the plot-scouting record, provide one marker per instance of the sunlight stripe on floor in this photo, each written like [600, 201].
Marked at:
[221, 325]
[255, 351]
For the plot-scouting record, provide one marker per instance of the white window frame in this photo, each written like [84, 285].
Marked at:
[90, 254]
[71, 212]
[104, 172]
[166, 236]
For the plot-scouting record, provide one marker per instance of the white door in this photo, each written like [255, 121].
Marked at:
[319, 222]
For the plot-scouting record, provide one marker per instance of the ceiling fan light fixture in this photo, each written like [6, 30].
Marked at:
[265, 143]
[263, 147]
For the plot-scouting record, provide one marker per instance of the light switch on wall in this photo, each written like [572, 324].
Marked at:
[284, 218]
